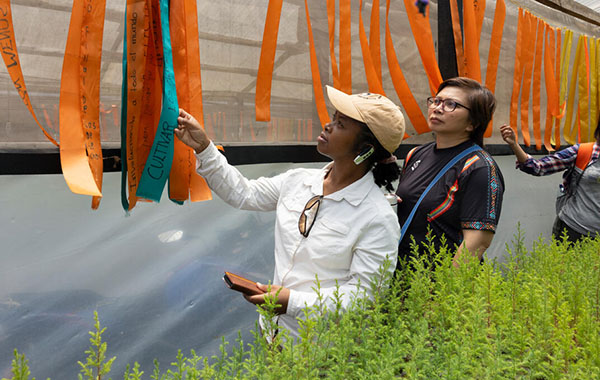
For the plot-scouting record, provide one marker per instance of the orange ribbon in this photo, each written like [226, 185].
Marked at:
[537, 86]
[471, 41]
[184, 182]
[199, 190]
[345, 42]
[331, 28]
[370, 71]
[10, 55]
[518, 74]
[494, 53]
[402, 90]
[151, 91]
[479, 12]
[136, 22]
[267, 61]
[421, 30]
[75, 162]
[528, 50]
[183, 160]
[91, 52]
[551, 88]
[556, 138]
[374, 39]
[458, 40]
[316, 76]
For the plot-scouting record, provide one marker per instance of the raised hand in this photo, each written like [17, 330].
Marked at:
[508, 135]
[190, 132]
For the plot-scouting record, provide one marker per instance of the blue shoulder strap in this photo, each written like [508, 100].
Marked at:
[450, 164]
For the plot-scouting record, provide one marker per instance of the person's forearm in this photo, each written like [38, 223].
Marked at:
[519, 152]
[475, 242]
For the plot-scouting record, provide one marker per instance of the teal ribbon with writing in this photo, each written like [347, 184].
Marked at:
[158, 165]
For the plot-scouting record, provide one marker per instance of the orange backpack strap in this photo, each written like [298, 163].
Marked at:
[584, 154]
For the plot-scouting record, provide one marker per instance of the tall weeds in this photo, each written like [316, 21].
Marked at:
[536, 316]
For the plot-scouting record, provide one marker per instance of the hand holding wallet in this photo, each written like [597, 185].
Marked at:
[241, 284]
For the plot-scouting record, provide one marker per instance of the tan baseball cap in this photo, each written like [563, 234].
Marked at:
[380, 114]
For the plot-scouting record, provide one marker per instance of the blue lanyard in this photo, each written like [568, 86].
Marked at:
[450, 164]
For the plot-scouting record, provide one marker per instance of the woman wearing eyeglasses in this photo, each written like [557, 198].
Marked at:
[332, 223]
[464, 204]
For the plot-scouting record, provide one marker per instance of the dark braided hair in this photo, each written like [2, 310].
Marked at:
[385, 174]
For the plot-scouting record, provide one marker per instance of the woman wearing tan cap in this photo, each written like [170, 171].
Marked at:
[334, 223]
[464, 204]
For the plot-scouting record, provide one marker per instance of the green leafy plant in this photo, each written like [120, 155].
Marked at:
[96, 365]
[534, 316]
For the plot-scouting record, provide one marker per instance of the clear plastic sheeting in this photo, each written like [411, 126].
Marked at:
[230, 33]
[155, 276]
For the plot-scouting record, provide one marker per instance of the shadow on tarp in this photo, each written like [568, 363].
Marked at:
[154, 276]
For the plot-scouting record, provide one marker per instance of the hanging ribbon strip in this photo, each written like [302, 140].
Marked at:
[421, 31]
[181, 170]
[184, 182]
[137, 21]
[518, 74]
[551, 85]
[374, 39]
[494, 53]
[91, 53]
[564, 62]
[199, 190]
[10, 55]
[370, 71]
[528, 53]
[331, 29]
[555, 139]
[458, 40]
[158, 165]
[345, 47]
[267, 61]
[151, 89]
[583, 94]
[537, 85]
[479, 12]
[404, 93]
[316, 76]
[570, 131]
[593, 83]
[80, 144]
[471, 41]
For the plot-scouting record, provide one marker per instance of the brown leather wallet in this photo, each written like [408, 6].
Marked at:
[241, 284]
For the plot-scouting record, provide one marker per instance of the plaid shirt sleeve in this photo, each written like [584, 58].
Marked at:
[550, 164]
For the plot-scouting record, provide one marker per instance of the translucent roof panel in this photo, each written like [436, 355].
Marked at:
[230, 37]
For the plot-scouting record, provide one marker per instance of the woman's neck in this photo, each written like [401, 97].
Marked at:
[449, 141]
[342, 174]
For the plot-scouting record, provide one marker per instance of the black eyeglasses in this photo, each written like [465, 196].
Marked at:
[448, 105]
[309, 215]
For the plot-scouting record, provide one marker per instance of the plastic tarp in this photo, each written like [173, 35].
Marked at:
[155, 276]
